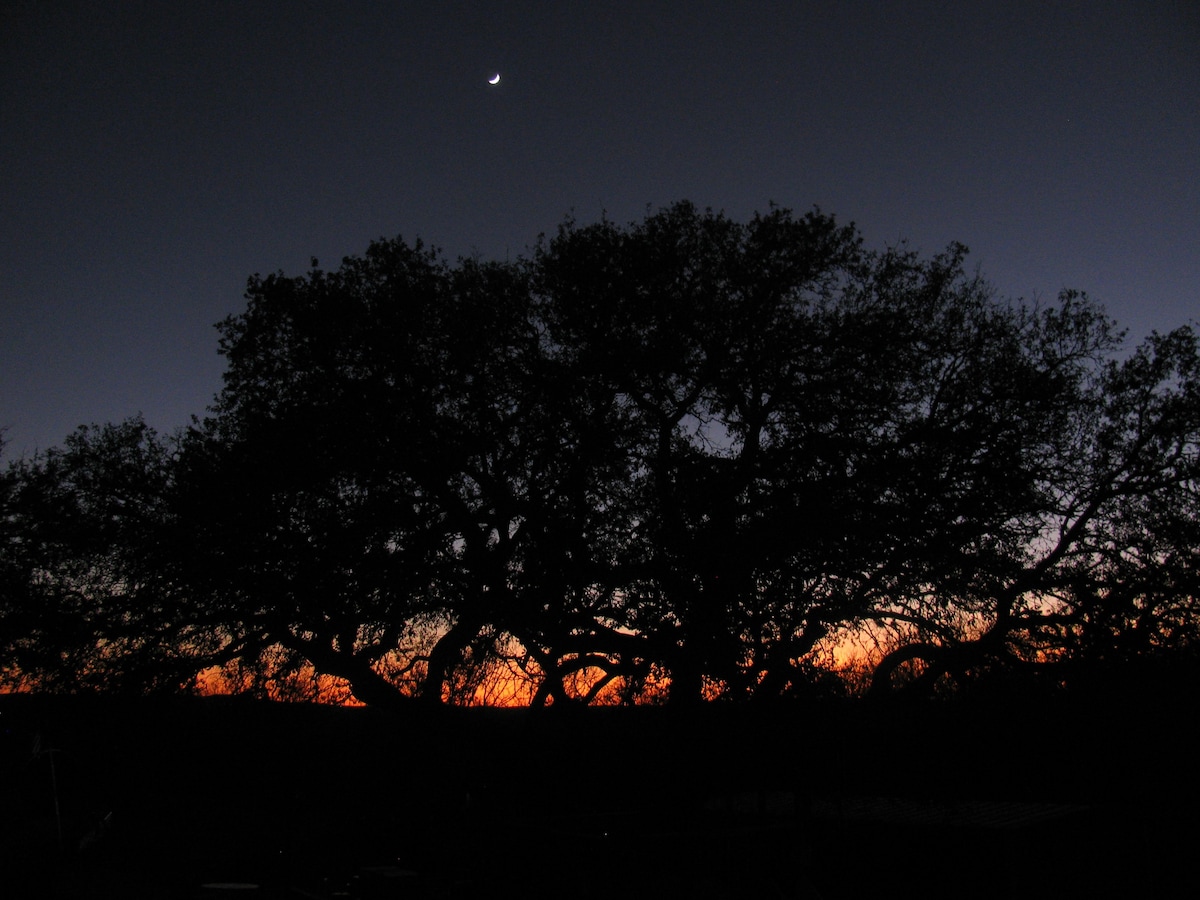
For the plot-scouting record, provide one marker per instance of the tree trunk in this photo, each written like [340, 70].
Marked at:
[369, 688]
[687, 684]
[446, 652]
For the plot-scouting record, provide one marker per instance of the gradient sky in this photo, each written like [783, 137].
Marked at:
[153, 155]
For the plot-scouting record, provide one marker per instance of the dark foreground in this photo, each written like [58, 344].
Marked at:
[1008, 798]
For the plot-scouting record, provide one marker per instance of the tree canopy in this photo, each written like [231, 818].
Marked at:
[684, 458]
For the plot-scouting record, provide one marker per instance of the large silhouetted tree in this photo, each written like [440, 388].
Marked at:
[688, 452]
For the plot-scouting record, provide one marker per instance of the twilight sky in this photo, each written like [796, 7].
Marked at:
[155, 154]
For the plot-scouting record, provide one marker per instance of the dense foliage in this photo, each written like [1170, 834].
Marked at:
[688, 457]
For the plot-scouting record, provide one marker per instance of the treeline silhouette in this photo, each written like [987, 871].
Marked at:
[681, 459]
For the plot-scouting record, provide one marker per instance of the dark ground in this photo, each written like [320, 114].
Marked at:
[1007, 797]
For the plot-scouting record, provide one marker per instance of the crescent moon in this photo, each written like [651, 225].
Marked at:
[495, 79]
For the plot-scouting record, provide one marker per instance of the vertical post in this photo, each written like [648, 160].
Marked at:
[38, 753]
[57, 810]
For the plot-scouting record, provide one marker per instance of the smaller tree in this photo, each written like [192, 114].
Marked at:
[88, 600]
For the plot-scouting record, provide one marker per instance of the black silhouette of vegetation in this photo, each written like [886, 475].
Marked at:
[686, 458]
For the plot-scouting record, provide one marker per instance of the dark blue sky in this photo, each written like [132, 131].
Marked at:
[152, 155]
